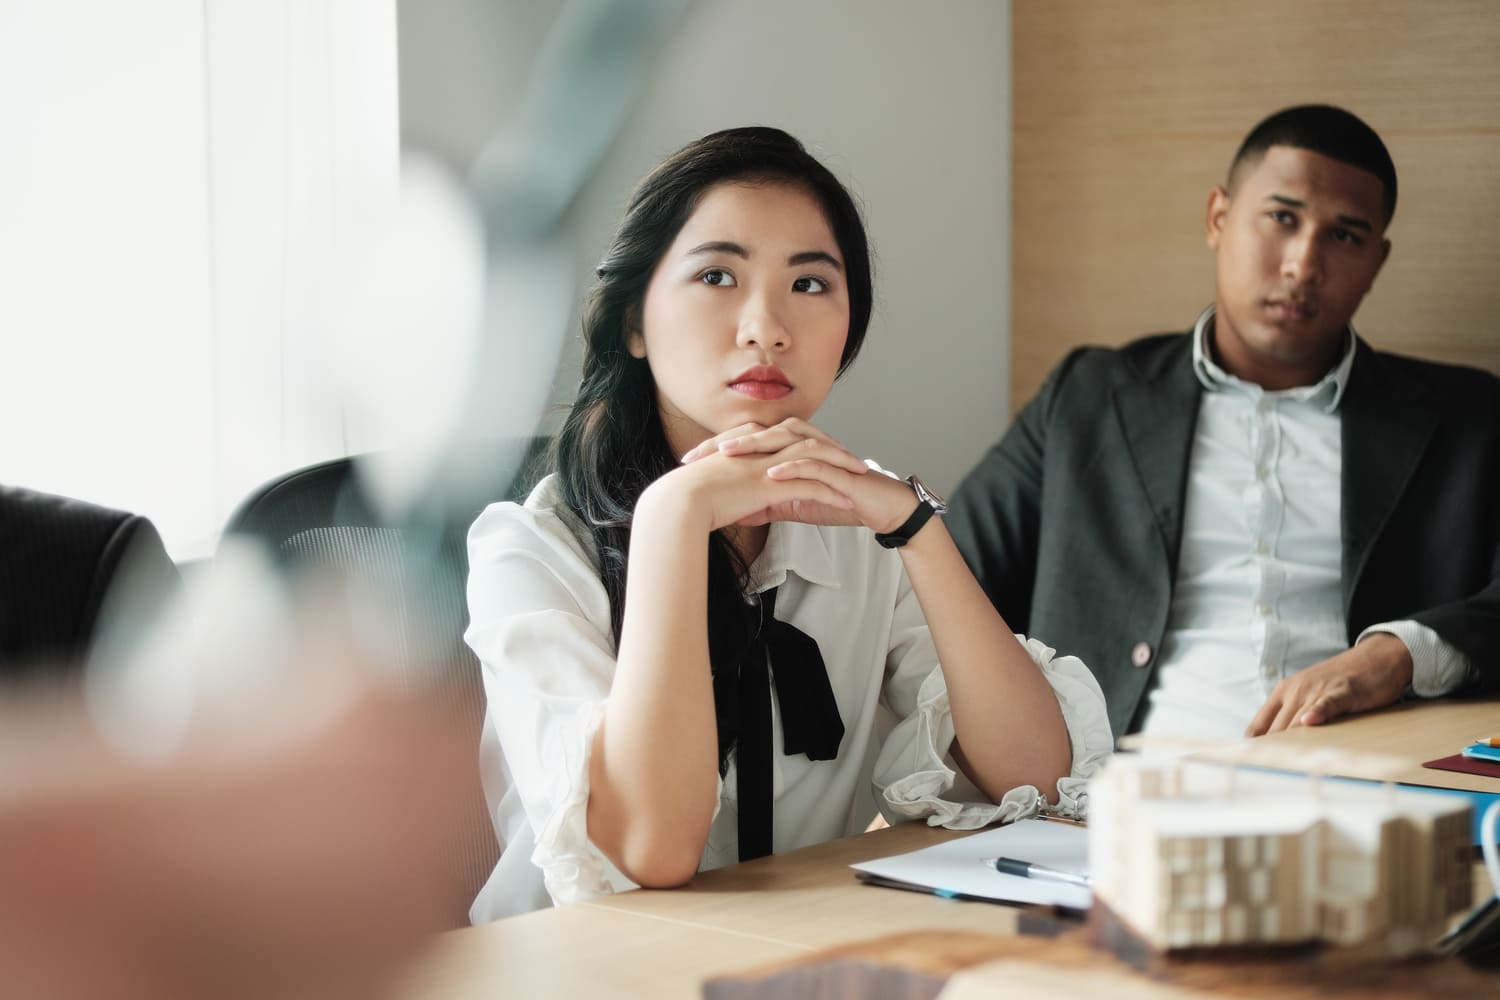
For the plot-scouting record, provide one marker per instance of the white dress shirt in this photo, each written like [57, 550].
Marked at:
[1259, 587]
[540, 624]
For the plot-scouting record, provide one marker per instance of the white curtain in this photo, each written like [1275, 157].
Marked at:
[176, 176]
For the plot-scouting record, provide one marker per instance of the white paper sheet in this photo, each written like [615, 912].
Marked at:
[958, 868]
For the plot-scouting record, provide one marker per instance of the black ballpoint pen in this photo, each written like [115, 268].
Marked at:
[1025, 869]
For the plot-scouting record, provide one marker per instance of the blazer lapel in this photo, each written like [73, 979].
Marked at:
[1158, 413]
[1385, 428]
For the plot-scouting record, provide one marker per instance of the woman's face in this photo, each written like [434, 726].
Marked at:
[746, 314]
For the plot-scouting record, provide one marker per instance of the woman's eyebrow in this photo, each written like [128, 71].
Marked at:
[719, 246]
[795, 260]
[814, 257]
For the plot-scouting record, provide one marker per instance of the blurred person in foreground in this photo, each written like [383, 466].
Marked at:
[310, 865]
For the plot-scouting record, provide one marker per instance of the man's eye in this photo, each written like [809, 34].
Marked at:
[808, 283]
[1347, 236]
[1283, 217]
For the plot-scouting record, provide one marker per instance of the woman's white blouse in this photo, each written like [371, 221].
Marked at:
[540, 625]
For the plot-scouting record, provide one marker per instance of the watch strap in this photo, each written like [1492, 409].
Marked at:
[909, 527]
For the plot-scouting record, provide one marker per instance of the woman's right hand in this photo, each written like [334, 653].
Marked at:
[722, 489]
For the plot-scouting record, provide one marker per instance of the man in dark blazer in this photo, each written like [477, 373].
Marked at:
[1262, 522]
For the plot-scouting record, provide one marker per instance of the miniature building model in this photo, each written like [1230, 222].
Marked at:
[1191, 854]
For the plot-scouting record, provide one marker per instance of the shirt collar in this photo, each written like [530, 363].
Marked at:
[1327, 392]
[793, 547]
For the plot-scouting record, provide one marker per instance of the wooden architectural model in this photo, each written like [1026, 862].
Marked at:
[1192, 854]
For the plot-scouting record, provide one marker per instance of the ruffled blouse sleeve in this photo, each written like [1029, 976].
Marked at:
[539, 623]
[914, 775]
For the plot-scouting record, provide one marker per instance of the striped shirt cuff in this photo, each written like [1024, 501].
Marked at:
[1437, 666]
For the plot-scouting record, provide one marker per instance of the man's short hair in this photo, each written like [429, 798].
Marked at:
[1327, 130]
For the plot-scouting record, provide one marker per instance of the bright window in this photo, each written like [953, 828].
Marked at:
[175, 177]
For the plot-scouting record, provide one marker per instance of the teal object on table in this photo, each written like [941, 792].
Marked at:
[1482, 751]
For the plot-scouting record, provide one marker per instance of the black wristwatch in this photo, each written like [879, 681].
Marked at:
[928, 504]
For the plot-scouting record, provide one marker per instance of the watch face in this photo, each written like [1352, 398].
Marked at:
[931, 499]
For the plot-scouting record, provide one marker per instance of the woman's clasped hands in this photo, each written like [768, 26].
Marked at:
[752, 475]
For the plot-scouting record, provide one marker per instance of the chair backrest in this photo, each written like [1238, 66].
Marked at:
[65, 567]
[320, 520]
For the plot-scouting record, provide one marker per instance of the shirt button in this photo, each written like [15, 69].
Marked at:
[1260, 472]
[1140, 654]
[1262, 610]
[1261, 548]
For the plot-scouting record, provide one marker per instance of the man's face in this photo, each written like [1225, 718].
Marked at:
[1299, 242]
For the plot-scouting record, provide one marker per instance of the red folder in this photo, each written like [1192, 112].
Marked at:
[1466, 765]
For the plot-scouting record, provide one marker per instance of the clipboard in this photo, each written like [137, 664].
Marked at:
[956, 869]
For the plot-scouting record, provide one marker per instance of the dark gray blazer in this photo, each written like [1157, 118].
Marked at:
[1072, 522]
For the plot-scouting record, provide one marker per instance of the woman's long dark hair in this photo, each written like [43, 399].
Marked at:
[612, 445]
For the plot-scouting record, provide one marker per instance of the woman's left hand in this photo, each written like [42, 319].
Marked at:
[881, 502]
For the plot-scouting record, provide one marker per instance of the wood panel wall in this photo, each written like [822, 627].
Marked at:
[1127, 113]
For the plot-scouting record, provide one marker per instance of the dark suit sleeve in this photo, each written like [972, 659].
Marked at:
[1473, 624]
[995, 517]
[1474, 627]
[1436, 559]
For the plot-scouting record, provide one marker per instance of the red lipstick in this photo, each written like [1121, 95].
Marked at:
[762, 382]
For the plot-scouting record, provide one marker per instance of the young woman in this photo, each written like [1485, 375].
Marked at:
[713, 632]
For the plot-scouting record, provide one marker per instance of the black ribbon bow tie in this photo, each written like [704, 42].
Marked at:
[810, 721]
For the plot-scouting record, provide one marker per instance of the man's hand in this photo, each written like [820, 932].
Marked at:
[1372, 674]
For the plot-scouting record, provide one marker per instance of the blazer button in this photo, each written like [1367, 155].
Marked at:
[1140, 654]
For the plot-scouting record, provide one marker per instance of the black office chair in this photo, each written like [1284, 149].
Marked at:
[72, 572]
[320, 521]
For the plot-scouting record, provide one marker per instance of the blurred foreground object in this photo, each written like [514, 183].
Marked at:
[68, 569]
[313, 867]
[443, 323]
[401, 580]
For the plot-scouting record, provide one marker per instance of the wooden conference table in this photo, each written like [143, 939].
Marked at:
[664, 944]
